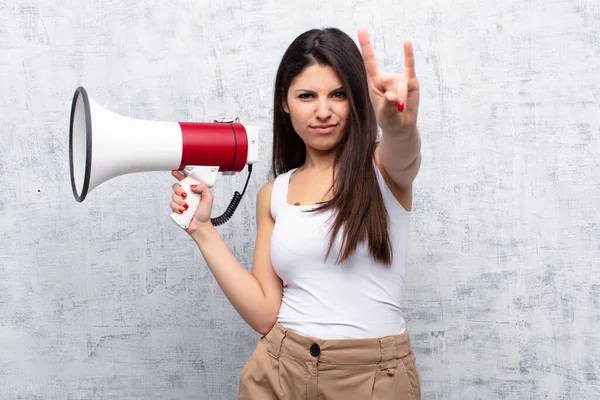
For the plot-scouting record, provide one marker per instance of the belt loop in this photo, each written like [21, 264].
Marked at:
[389, 354]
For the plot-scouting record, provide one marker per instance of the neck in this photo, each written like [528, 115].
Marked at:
[319, 161]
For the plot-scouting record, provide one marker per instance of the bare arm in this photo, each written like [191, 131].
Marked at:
[257, 295]
[400, 155]
[395, 99]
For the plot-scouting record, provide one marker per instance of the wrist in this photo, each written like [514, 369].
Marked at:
[202, 232]
[404, 133]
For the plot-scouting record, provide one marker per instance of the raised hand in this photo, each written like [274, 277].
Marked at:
[395, 97]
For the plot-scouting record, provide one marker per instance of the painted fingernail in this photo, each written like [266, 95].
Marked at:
[400, 107]
[186, 206]
[184, 195]
[193, 186]
[181, 211]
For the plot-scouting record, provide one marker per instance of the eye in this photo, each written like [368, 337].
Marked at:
[305, 96]
[339, 95]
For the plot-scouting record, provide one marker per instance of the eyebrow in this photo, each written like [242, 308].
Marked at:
[312, 91]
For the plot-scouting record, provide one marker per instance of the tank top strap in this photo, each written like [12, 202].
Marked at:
[279, 193]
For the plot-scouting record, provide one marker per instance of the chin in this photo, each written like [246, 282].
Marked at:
[324, 145]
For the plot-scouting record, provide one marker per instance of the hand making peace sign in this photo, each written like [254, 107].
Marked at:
[395, 97]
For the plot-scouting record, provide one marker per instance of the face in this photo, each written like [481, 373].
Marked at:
[318, 107]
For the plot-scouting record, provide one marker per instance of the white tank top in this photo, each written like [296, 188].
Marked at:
[359, 298]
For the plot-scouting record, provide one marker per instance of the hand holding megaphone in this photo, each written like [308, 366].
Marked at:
[189, 197]
[104, 145]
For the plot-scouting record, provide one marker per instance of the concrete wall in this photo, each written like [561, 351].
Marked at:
[108, 299]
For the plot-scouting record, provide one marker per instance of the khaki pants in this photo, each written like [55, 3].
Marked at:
[286, 365]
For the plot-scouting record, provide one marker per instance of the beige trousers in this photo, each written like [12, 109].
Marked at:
[286, 365]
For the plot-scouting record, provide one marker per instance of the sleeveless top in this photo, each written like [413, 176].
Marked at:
[359, 298]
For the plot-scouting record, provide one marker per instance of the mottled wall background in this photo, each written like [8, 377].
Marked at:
[108, 299]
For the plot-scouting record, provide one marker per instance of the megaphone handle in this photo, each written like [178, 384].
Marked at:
[192, 200]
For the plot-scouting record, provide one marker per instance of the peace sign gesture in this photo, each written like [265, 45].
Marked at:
[395, 97]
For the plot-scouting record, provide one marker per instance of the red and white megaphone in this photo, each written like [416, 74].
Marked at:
[104, 145]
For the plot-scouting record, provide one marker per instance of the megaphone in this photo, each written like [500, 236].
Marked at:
[104, 145]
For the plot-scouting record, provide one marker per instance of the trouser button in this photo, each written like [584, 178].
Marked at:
[315, 350]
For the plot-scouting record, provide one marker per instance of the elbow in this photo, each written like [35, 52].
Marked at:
[265, 326]
[264, 314]
[403, 176]
[401, 167]
[264, 330]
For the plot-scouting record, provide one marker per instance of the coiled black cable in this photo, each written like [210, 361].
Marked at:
[233, 204]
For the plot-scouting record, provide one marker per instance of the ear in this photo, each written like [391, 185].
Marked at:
[284, 104]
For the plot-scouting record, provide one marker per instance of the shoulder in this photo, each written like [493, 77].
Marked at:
[263, 198]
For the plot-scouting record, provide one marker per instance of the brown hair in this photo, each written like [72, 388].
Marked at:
[358, 205]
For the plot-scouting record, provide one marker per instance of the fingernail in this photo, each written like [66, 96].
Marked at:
[184, 195]
[186, 206]
[181, 211]
[193, 186]
[400, 107]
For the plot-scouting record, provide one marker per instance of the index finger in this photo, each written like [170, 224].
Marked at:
[178, 175]
[367, 53]
[409, 60]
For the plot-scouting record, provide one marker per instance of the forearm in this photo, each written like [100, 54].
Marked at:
[240, 287]
[400, 154]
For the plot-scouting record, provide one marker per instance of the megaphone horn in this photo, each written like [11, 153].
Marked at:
[104, 145]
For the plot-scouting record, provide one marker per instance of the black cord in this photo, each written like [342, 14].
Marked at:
[235, 202]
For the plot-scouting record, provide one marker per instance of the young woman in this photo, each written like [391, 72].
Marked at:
[326, 287]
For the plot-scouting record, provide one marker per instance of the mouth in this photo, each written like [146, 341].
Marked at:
[324, 128]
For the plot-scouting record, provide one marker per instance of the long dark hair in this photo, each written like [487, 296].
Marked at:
[358, 205]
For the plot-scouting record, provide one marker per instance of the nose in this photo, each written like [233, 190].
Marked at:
[323, 111]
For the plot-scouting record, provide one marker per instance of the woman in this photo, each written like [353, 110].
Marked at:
[326, 286]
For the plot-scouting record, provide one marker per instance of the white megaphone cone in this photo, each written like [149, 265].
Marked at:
[104, 145]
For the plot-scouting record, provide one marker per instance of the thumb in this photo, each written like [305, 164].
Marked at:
[385, 104]
[204, 192]
[395, 92]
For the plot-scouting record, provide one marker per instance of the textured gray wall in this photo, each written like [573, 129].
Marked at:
[108, 299]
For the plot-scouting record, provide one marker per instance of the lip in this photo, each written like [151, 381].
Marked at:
[324, 128]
